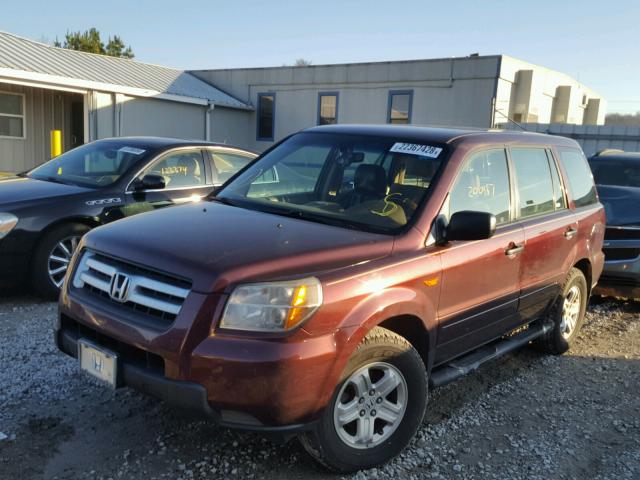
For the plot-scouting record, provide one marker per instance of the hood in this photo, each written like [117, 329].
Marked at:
[621, 204]
[216, 245]
[18, 190]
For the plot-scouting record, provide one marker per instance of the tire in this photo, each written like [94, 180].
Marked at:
[381, 352]
[560, 338]
[44, 283]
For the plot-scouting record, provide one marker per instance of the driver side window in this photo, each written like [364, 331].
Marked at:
[483, 186]
[184, 168]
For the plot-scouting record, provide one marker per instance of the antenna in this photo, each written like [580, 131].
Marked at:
[497, 110]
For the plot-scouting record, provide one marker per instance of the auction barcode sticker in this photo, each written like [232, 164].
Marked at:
[416, 149]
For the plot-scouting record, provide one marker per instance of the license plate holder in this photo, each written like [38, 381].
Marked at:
[100, 363]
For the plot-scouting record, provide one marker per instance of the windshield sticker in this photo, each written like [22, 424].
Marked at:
[132, 150]
[415, 149]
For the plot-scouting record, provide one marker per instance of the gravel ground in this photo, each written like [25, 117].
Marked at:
[523, 416]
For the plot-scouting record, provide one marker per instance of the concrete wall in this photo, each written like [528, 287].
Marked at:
[592, 138]
[445, 92]
[529, 93]
[45, 110]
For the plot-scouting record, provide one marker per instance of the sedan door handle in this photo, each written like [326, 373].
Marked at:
[570, 233]
[513, 249]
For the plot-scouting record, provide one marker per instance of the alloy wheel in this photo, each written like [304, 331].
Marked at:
[370, 405]
[59, 258]
[571, 308]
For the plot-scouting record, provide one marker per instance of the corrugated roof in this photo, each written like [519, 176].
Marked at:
[24, 55]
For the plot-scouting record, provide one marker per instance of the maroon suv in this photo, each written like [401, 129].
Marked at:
[330, 283]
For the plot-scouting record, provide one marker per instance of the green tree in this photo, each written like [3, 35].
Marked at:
[90, 41]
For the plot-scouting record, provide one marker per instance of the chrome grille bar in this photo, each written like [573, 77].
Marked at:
[142, 290]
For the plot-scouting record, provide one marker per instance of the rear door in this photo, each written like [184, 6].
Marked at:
[480, 280]
[550, 228]
[187, 179]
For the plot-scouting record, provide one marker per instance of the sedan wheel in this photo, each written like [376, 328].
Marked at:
[59, 259]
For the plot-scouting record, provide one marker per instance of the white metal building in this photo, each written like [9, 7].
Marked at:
[90, 96]
[474, 91]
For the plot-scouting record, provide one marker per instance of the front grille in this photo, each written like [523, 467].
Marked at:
[129, 354]
[124, 285]
[622, 233]
[621, 253]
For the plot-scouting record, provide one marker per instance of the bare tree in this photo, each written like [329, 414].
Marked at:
[302, 62]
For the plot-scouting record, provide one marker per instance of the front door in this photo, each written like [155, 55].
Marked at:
[187, 179]
[480, 280]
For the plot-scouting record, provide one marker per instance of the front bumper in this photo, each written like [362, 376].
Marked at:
[621, 274]
[255, 383]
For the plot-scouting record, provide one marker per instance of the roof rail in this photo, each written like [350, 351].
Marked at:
[608, 151]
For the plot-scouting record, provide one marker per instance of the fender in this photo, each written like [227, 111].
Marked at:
[370, 312]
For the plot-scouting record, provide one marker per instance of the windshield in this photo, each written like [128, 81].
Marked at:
[621, 173]
[364, 182]
[97, 164]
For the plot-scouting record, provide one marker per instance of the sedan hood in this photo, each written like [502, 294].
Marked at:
[621, 204]
[217, 245]
[19, 190]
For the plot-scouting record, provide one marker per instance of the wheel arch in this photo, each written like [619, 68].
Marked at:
[584, 265]
[82, 220]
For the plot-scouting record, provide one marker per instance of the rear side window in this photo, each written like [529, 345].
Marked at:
[579, 176]
[533, 178]
[483, 186]
[227, 164]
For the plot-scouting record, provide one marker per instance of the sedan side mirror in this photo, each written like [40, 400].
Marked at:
[469, 225]
[150, 182]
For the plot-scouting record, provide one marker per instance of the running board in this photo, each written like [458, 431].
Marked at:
[459, 367]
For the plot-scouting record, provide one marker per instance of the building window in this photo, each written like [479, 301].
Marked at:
[11, 115]
[266, 115]
[327, 108]
[399, 109]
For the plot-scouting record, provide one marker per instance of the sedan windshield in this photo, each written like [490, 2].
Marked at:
[617, 172]
[354, 181]
[94, 165]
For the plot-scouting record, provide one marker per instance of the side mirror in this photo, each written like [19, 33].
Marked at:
[150, 182]
[468, 225]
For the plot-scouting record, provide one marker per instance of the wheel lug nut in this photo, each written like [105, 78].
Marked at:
[379, 400]
[361, 400]
[372, 393]
[373, 413]
[362, 413]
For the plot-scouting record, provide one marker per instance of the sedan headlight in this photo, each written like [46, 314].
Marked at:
[7, 222]
[272, 307]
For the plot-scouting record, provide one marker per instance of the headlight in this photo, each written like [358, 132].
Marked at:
[272, 307]
[7, 222]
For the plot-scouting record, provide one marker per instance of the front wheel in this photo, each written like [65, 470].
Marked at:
[376, 409]
[52, 258]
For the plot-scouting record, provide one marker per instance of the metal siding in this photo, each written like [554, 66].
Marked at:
[45, 110]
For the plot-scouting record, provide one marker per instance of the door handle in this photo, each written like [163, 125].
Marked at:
[570, 233]
[513, 249]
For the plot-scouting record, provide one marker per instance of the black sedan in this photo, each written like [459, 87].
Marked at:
[44, 212]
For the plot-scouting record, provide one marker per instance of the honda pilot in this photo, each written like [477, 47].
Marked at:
[327, 287]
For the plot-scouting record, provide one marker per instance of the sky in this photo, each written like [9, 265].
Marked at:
[594, 41]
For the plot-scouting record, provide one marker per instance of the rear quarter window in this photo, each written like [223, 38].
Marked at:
[579, 176]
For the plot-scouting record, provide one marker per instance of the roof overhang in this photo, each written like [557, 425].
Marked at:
[67, 84]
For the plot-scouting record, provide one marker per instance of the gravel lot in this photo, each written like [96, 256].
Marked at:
[524, 416]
